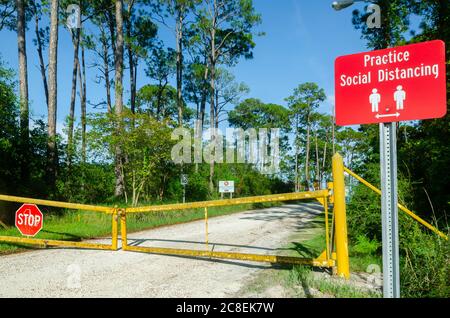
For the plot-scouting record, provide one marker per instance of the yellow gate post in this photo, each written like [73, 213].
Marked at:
[206, 228]
[123, 229]
[114, 230]
[343, 268]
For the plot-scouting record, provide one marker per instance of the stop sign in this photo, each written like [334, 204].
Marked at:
[29, 219]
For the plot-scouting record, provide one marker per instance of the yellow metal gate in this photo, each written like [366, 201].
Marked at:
[60, 243]
[328, 258]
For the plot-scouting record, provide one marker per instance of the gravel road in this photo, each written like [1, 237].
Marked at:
[91, 273]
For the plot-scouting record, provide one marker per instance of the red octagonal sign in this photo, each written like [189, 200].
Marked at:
[396, 84]
[29, 219]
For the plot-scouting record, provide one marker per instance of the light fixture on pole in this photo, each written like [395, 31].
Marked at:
[339, 5]
[342, 4]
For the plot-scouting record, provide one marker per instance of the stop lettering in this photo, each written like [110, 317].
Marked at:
[29, 219]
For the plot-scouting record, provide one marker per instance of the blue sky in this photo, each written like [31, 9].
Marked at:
[302, 40]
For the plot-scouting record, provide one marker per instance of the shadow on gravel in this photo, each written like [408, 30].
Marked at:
[137, 242]
[220, 261]
[303, 212]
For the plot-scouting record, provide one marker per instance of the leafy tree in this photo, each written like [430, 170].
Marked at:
[178, 10]
[305, 99]
[160, 103]
[227, 92]
[321, 126]
[160, 67]
[9, 131]
[140, 35]
[196, 88]
[395, 23]
[40, 41]
[147, 143]
[224, 29]
[7, 17]
[252, 113]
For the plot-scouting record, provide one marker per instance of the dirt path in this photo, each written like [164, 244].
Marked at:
[89, 273]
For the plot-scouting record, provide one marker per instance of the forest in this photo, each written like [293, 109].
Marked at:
[119, 150]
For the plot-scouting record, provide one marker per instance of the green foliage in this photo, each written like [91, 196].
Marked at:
[308, 124]
[147, 144]
[424, 264]
[424, 256]
[304, 277]
[305, 99]
[395, 23]
[197, 188]
[365, 246]
[232, 33]
[9, 130]
[252, 113]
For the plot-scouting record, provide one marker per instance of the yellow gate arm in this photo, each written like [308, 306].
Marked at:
[400, 206]
[58, 204]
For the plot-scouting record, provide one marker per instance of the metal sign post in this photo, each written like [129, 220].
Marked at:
[389, 210]
[184, 182]
[378, 87]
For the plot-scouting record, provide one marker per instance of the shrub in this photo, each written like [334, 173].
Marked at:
[365, 246]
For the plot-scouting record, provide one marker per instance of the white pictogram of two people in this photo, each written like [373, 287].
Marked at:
[399, 98]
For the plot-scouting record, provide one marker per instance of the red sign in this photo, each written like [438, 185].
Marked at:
[396, 84]
[29, 219]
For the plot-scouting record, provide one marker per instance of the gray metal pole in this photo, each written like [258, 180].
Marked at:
[389, 210]
[184, 194]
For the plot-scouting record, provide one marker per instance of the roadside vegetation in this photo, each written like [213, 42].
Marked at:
[307, 282]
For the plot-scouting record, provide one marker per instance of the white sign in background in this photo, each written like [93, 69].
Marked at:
[226, 186]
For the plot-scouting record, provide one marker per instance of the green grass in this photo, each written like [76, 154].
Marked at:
[304, 277]
[304, 281]
[80, 225]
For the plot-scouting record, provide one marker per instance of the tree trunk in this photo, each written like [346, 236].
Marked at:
[179, 49]
[132, 81]
[307, 154]
[76, 42]
[324, 160]
[40, 51]
[106, 69]
[297, 187]
[52, 92]
[23, 86]
[216, 110]
[160, 110]
[317, 161]
[105, 57]
[212, 105]
[203, 97]
[83, 106]
[333, 131]
[131, 61]
[23, 71]
[120, 182]
[112, 33]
